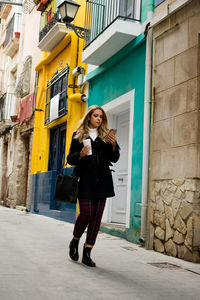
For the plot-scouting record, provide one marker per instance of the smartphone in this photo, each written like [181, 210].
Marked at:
[113, 131]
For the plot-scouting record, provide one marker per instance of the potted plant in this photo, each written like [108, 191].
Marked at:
[14, 118]
[17, 35]
[40, 4]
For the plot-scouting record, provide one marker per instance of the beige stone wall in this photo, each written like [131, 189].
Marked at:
[16, 169]
[163, 6]
[18, 165]
[175, 218]
[175, 148]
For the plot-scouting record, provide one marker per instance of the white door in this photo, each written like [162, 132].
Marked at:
[120, 176]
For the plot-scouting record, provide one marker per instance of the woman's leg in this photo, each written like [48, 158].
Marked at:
[83, 218]
[97, 209]
[80, 226]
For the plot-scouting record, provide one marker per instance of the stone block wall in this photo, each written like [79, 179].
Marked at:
[175, 218]
[16, 158]
[174, 206]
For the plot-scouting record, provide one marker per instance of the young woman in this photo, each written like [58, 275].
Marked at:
[96, 182]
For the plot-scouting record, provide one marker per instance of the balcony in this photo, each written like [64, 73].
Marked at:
[10, 106]
[110, 25]
[4, 10]
[5, 124]
[13, 30]
[52, 33]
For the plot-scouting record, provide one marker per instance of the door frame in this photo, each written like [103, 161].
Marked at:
[113, 108]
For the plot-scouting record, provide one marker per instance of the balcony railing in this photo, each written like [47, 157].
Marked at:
[50, 22]
[100, 14]
[2, 108]
[13, 29]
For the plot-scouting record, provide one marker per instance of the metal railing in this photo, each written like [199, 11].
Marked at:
[49, 24]
[2, 108]
[57, 86]
[102, 13]
[13, 26]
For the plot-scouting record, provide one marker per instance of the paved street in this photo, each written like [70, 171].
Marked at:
[34, 265]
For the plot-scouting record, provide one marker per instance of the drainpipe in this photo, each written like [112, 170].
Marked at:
[147, 105]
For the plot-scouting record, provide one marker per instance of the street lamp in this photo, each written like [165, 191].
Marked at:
[68, 10]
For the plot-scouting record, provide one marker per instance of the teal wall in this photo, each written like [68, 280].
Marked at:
[123, 72]
[146, 6]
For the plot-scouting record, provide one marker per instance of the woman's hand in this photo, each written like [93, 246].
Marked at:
[111, 139]
[85, 151]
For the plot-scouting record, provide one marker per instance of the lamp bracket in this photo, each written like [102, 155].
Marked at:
[72, 86]
[80, 31]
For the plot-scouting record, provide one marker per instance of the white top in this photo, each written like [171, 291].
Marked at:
[93, 133]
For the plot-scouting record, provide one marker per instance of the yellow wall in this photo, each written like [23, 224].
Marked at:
[69, 51]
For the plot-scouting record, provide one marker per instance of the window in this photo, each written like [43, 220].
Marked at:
[56, 98]
[127, 8]
[157, 2]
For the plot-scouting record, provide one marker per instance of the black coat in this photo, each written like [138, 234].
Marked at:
[95, 174]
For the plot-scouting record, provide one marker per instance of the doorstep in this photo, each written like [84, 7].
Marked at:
[115, 229]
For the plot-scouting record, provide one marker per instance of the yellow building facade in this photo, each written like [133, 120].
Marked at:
[58, 109]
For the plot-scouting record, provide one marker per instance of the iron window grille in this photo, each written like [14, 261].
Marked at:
[100, 14]
[13, 26]
[57, 86]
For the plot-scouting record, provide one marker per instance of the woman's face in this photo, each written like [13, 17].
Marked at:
[96, 118]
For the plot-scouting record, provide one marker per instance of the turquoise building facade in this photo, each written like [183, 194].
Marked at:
[118, 85]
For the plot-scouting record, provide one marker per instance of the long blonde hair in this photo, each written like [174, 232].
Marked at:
[82, 131]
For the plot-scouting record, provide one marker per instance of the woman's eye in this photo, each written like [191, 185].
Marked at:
[96, 116]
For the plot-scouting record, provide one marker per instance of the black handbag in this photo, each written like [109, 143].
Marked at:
[66, 188]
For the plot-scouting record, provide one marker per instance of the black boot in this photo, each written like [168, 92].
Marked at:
[73, 249]
[86, 257]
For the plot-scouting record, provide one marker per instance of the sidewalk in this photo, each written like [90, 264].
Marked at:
[34, 265]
